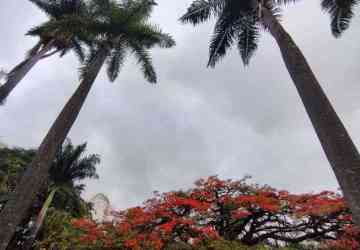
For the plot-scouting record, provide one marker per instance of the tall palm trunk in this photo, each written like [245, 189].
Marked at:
[20, 71]
[39, 220]
[37, 173]
[335, 141]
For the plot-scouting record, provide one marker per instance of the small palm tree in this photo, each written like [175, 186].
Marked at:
[68, 168]
[49, 43]
[240, 23]
[341, 12]
[121, 29]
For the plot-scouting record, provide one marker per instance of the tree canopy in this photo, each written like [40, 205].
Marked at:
[341, 12]
[226, 212]
[120, 27]
[64, 41]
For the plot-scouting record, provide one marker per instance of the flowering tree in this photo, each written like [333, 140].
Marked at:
[226, 211]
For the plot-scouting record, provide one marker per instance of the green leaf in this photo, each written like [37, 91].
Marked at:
[341, 13]
[115, 62]
[247, 42]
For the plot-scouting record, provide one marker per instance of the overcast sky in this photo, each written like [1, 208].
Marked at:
[196, 122]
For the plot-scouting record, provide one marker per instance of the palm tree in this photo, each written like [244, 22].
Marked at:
[68, 168]
[48, 44]
[240, 22]
[341, 13]
[122, 28]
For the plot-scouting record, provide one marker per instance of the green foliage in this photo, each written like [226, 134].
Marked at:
[64, 41]
[124, 29]
[236, 22]
[56, 230]
[229, 245]
[12, 164]
[115, 62]
[341, 13]
[70, 166]
[120, 28]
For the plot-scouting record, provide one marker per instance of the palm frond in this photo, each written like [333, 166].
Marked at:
[101, 9]
[201, 11]
[78, 49]
[148, 35]
[67, 19]
[144, 59]
[37, 30]
[49, 7]
[58, 8]
[64, 51]
[85, 168]
[66, 157]
[163, 40]
[72, 24]
[139, 10]
[341, 13]
[87, 63]
[70, 165]
[115, 62]
[71, 7]
[247, 42]
[223, 37]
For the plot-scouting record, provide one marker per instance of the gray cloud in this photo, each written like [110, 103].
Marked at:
[196, 122]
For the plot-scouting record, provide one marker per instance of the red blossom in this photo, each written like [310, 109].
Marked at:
[168, 227]
[210, 232]
[132, 244]
[200, 214]
[123, 227]
[83, 223]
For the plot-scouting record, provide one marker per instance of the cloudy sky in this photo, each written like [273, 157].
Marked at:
[196, 122]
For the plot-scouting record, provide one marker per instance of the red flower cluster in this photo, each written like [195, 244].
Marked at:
[92, 233]
[217, 209]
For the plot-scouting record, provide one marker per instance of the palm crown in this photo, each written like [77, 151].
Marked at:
[124, 28]
[62, 42]
[237, 21]
[121, 28]
[68, 168]
[71, 166]
[341, 13]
